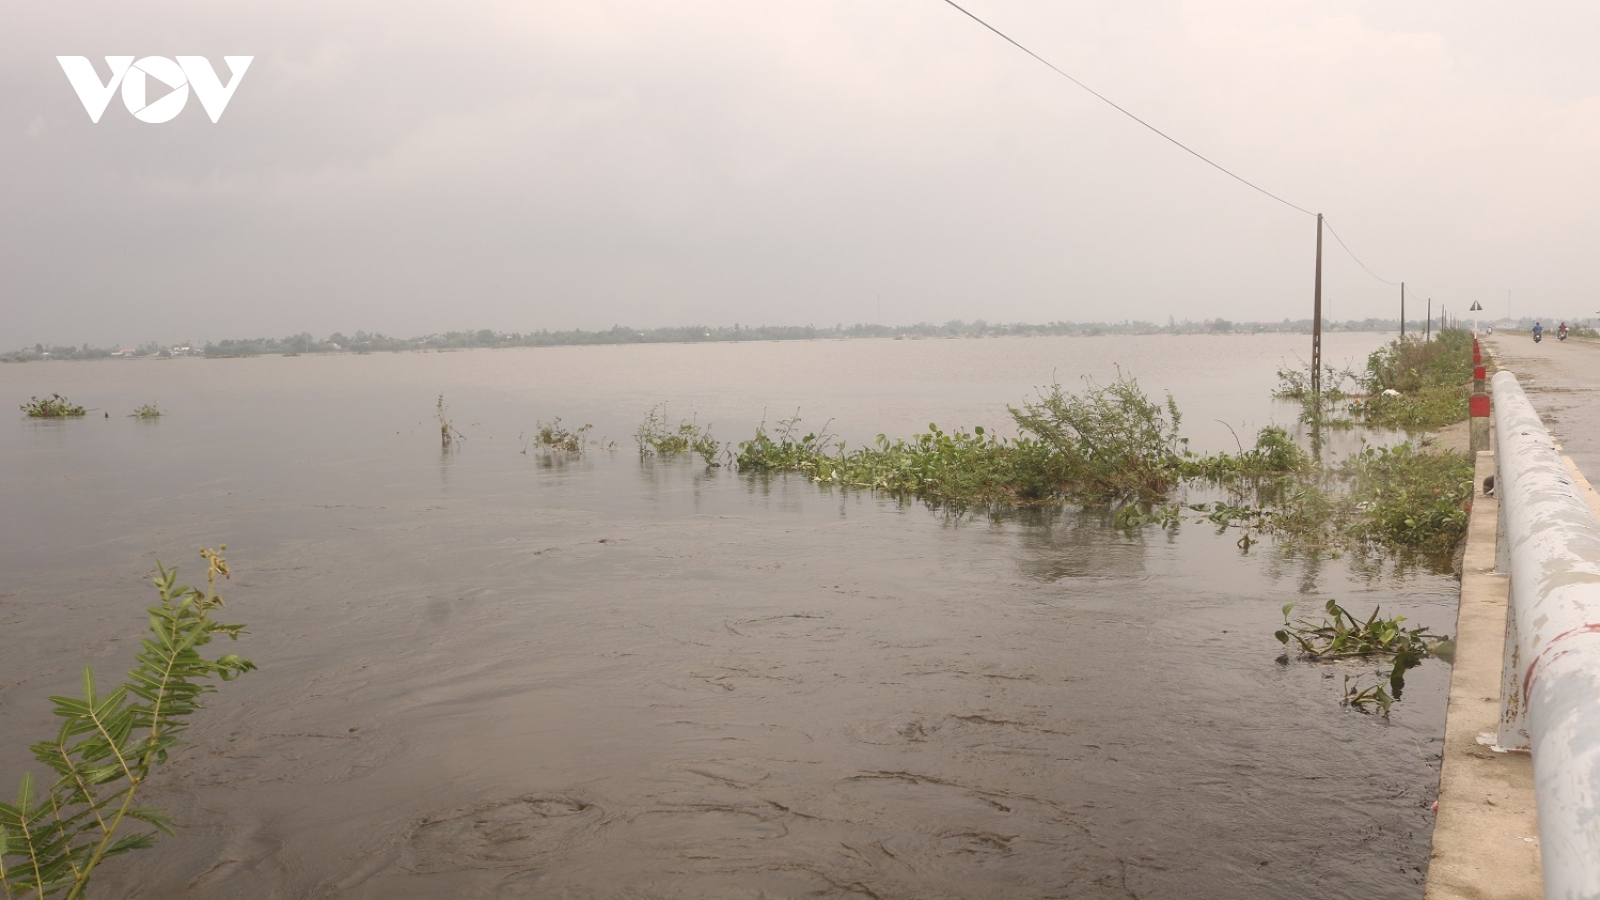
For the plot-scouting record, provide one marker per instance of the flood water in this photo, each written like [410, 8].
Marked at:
[490, 673]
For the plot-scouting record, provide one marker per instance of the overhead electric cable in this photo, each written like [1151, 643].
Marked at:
[1181, 145]
[1195, 153]
[1352, 253]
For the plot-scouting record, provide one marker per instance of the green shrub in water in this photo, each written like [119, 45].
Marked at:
[656, 436]
[553, 435]
[1109, 442]
[54, 406]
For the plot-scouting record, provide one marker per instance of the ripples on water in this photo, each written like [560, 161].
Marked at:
[490, 674]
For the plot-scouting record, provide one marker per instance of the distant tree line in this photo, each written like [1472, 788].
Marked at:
[372, 342]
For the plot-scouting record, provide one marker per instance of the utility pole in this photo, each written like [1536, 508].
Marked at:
[1428, 335]
[1402, 309]
[1316, 321]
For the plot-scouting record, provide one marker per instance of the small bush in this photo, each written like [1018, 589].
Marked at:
[147, 411]
[1410, 364]
[1295, 384]
[54, 406]
[1411, 499]
[1275, 453]
[1108, 443]
[1430, 379]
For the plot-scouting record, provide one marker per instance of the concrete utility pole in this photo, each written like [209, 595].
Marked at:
[1402, 309]
[1316, 320]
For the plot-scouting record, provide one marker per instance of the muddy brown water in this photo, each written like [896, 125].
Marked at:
[486, 673]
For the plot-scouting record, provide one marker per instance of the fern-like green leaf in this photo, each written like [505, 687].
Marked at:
[107, 746]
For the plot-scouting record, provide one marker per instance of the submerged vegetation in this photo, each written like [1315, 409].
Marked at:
[1343, 636]
[1412, 499]
[109, 744]
[655, 436]
[1108, 444]
[1409, 384]
[54, 406]
[448, 434]
[1112, 446]
[553, 435]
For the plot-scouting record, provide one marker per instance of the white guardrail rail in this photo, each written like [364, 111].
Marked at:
[1550, 700]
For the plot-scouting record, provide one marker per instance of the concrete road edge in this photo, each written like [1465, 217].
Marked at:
[1486, 835]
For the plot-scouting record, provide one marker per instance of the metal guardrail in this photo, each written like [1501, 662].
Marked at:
[1550, 702]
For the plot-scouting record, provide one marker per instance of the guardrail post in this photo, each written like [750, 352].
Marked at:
[1478, 409]
[1512, 735]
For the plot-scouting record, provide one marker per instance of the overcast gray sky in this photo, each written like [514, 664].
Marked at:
[413, 167]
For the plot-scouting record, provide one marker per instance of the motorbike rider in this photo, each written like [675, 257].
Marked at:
[1561, 331]
[1538, 331]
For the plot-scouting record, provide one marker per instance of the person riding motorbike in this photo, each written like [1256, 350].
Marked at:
[1561, 332]
[1538, 332]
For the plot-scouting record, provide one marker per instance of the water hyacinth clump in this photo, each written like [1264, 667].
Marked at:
[54, 406]
[1108, 444]
[1343, 636]
[655, 436]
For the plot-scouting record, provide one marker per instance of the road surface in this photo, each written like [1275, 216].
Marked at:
[1562, 379]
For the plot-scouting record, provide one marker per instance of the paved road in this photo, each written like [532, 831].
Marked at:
[1563, 382]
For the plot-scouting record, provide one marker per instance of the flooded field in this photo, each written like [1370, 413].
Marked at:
[497, 673]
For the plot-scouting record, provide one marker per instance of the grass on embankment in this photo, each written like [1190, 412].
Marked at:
[1429, 380]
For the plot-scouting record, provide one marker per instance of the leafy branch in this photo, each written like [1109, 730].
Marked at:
[108, 744]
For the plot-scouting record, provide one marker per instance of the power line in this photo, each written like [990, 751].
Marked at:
[1186, 148]
[1195, 153]
[1352, 253]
